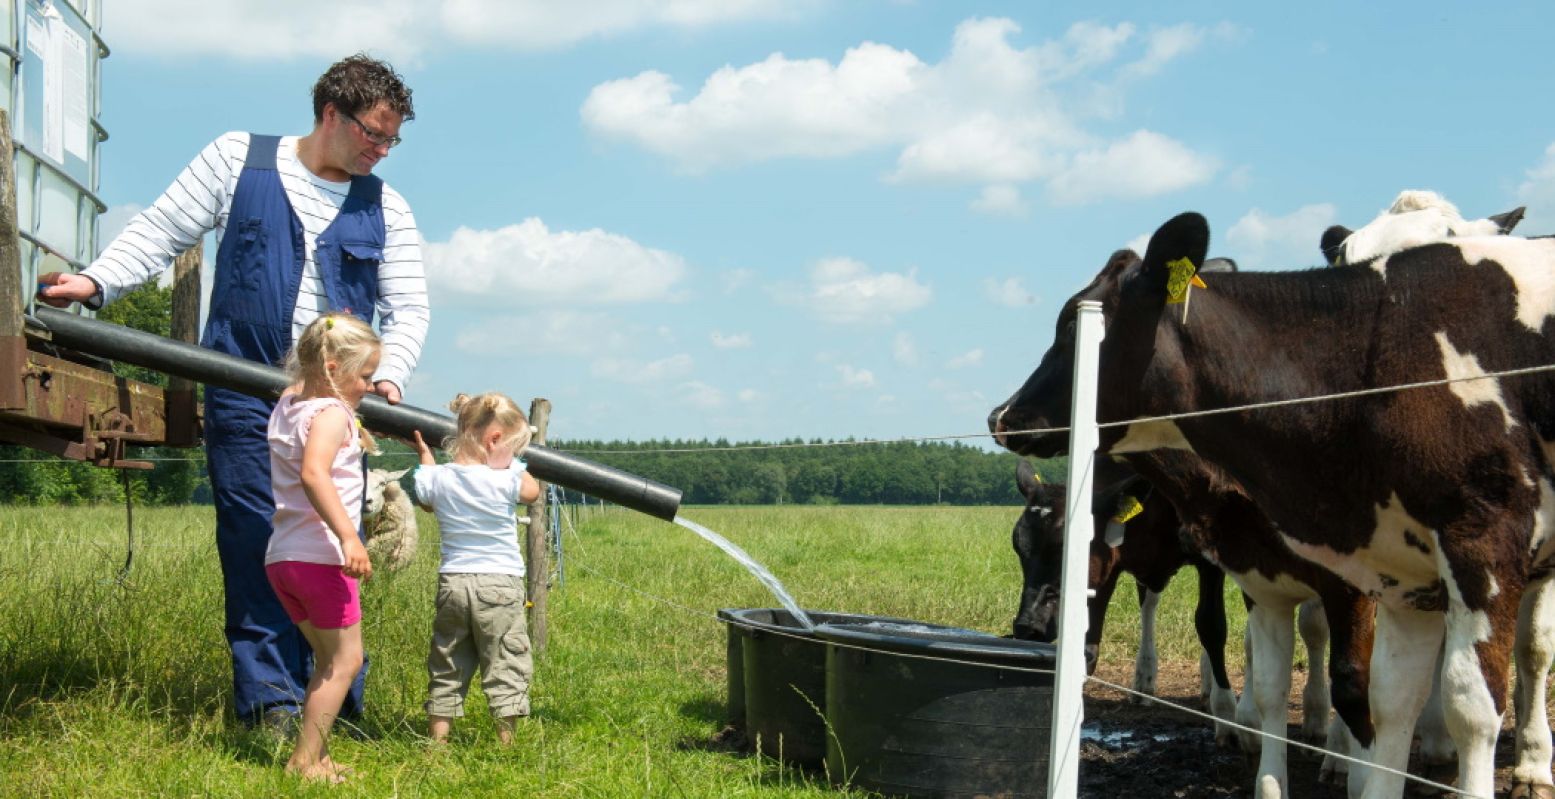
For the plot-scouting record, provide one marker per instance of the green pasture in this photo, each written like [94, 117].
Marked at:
[118, 687]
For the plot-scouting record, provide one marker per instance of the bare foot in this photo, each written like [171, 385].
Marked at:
[343, 771]
[318, 772]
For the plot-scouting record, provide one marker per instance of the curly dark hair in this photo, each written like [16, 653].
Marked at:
[358, 83]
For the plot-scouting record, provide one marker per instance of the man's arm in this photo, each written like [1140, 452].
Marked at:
[191, 207]
[403, 311]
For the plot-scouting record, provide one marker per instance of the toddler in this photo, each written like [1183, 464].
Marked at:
[480, 585]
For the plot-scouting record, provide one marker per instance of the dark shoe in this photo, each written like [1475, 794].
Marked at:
[282, 722]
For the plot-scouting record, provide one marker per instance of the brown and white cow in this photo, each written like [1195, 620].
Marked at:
[1191, 504]
[1144, 545]
[1438, 502]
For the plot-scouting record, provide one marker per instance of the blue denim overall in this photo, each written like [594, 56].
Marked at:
[258, 272]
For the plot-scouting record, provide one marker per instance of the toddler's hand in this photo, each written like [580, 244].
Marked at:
[357, 564]
[427, 459]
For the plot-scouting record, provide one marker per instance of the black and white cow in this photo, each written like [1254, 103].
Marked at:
[1438, 501]
[1143, 544]
[1416, 217]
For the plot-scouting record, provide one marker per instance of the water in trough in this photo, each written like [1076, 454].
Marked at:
[751, 565]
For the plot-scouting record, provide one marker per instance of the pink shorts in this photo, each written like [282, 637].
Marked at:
[317, 593]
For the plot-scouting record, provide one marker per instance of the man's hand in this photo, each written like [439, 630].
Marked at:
[60, 289]
[388, 391]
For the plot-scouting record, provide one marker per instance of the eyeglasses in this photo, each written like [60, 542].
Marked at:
[372, 135]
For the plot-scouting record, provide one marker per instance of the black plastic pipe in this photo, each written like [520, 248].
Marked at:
[138, 348]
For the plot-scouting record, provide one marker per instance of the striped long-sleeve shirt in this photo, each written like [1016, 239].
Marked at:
[199, 200]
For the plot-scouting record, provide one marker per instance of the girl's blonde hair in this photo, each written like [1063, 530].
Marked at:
[477, 413]
[342, 338]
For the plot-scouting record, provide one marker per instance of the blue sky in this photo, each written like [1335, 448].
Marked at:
[754, 219]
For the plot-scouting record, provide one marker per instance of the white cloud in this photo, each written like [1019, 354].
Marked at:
[701, 396]
[735, 279]
[1262, 241]
[546, 24]
[1537, 191]
[564, 332]
[1139, 243]
[1010, 292]
[749, 395]
[403, 30]
[624, 370]
[1143, 164]
[965, 359]
[777, 107]
[855, 378]
[733, 341]
[990, 112]
[527, 263]
[269, 29]
[1000, 199]
[844, 291]
[1163, 46]
[904, 349]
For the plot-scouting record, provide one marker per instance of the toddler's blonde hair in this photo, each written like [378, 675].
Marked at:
[477, 413]
[342, 338]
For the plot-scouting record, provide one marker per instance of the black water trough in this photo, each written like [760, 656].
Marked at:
[917, 710]
[777, 680]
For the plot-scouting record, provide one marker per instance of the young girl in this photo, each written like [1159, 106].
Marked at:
[480, 585]
[315, 556]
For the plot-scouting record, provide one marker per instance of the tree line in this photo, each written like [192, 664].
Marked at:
[715, 472]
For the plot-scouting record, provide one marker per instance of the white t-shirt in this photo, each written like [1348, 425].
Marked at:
[476, 508]
[300, 533]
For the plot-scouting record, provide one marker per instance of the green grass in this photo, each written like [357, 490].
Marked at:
[120, 688]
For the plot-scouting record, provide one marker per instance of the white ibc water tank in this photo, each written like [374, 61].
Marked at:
[52, 92]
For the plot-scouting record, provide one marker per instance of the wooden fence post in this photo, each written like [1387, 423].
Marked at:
[182, 426]
[13, 347]
[537, 555]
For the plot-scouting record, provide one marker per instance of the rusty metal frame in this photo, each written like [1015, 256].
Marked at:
[81, 412]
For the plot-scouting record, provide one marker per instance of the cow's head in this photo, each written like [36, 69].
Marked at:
[1133, 293]
[1038, 539]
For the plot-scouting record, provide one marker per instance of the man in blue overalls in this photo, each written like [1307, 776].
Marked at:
[304, 228]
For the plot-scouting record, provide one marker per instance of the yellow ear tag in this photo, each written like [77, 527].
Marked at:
[1128, 508]
[1180, 274]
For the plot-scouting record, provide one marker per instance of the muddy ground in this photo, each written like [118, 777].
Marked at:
[1150, 751]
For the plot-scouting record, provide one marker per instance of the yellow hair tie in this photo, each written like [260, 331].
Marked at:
[329, 323]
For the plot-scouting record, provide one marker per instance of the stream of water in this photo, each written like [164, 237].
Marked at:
[753, 567]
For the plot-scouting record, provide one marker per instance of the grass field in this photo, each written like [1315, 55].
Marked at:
[120, 688]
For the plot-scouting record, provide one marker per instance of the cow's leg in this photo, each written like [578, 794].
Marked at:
[1535, 650]
[1209, 619]
[1475, 674]
[1273, 644]
[1315, 697]
[1405, 649]
[1246, 709]
[1435, 741]
[1351, 623]
[1146, 663]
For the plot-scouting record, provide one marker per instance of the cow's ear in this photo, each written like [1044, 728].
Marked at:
[1179, 244]
[1509, 220]
[1026, 479]
[1332, 243]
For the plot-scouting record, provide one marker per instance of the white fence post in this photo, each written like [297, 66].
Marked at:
[1063, 778]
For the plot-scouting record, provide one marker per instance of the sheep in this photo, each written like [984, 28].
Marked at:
[1416, 217]
[389, 520]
